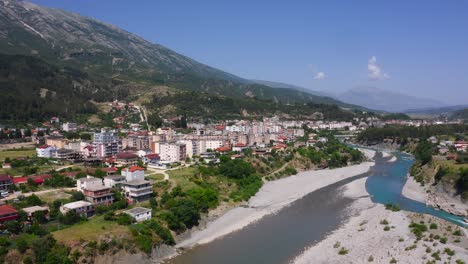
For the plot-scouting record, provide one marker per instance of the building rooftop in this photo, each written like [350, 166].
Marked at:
[77, 204]
[137, 210]
[137, 182]
[115, 177]
[135, 168]
[7, 209]
[35, 208]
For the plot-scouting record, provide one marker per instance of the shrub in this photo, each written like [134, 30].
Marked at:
[343, 251]
[433, 226]
[386, 228]
[449, 251]
[370, 259]
[443, 240]
[457, 232]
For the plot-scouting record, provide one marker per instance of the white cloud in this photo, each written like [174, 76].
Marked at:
[320, 76]
[375, 71]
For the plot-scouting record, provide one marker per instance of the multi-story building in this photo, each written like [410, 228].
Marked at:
[99, 195]
[46, 151]
[136, 188]
[57, 141]
[5, 182]
[137, 191]
[136, 141]
[172, 151]
[95, 191]
[106, 144]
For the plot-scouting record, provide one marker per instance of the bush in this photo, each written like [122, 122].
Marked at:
[443, 240]
[124, 219]
[433, 226]
[343, 251]
[457, 233]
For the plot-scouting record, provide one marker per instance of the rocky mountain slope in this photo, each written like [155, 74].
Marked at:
[111, 57]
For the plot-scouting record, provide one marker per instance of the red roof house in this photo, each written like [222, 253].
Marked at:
[7, 213]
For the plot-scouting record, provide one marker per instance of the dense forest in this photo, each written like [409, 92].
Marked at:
[402, 133]
[33, 90]
[201, 105]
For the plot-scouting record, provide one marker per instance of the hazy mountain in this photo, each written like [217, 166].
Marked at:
[446, 110]
[375, 98]
[290, 86]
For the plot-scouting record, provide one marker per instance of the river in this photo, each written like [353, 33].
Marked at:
[281, 237]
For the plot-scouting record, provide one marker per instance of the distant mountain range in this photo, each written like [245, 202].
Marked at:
[375, 98]
[114, 64]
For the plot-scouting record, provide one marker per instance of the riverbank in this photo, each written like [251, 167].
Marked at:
[271, 198]
[414, 191]
[382, 236]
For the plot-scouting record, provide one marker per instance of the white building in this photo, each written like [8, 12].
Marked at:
[88, 183]
[69, 127]
[139, 213]
[133, 173]
[106, 144]
[172, 152]
[46, 151]
[113, 180]
[82, 208]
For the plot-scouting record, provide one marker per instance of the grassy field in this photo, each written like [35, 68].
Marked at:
[12, 154]
[451, 164]
[95, 228]
[182, 177]
[155, 177]
[49, 197]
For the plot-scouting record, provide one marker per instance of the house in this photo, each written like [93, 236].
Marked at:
[30, 211]
[99, 195]
[66, 154]
[139, 213]
[114, 180]
[57, 141]
[133, 173]
[223, 149]
[151, 158]
[83, 208]
[95, 191]
[7, 213]
[88, 182]
[5, 182]
[239, 147]
[6, 165]
[46, 151]
[69, 127]
[126, 158]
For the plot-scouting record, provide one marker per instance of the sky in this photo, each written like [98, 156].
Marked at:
[413, 47]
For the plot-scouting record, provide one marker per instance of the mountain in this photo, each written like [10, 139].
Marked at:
[461, 114]
[446, 110]
[32, 88]
[375, 98]
[290, 86]
[116, 64]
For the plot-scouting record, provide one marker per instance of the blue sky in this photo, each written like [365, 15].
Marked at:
[414, 47]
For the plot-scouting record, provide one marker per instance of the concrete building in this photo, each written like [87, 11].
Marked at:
[114, 181]
[69, 127]
[46, 151]
[172, 151]
[106, 144]
[139, 213]
[5, 182]
[83, 208]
